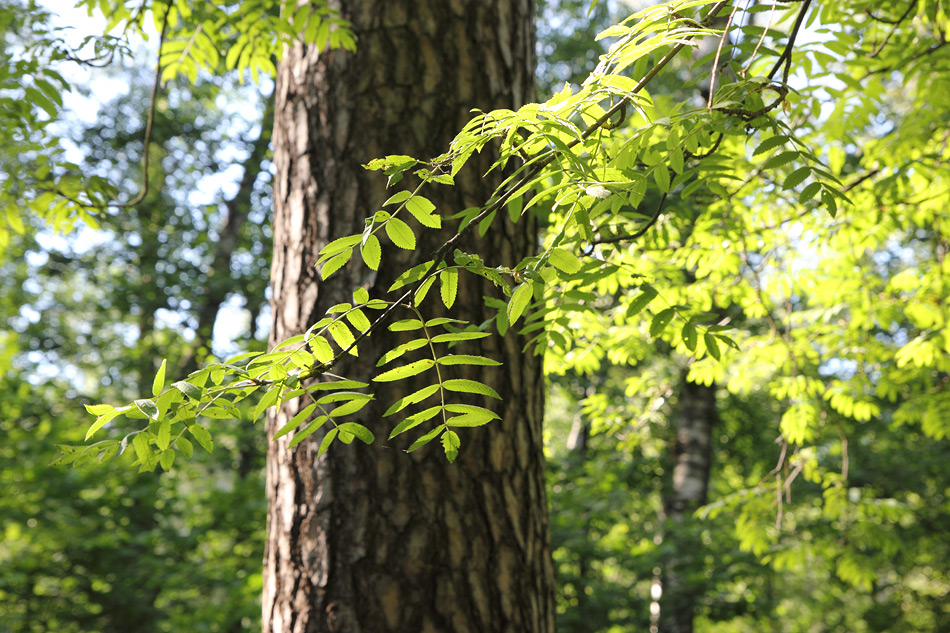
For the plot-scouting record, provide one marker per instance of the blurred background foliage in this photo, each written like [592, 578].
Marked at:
[862, 546]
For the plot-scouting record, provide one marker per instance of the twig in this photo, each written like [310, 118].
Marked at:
[786, 55]
[640, 232]
[722, 40]
[893, 30]
[153, 97]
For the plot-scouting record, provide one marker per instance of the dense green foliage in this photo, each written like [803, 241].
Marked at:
[780, 234]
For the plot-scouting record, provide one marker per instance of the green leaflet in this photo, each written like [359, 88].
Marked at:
[466, 359]
[295, 421]
[449, 286]
[405, 371]
[415, 420]
[565, 261]
[458, 336]
[470, 386]
[421, 209]
[412, 398]
[400, 233]
[201, 436]
[159, 382]
[371, 252]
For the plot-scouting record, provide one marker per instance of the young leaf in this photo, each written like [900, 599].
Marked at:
[159, 382]
[425, 439]
[308, 430]
[405, 371]
[449, 286]
[711, 345]
[341, 244]
[185, 447]
[647, 294]
[166, 460]
[358, 430]
[415, 420]
[358, 320]
[398, 197]
[295, 421]
[412, 398]
[102, 420]
[99, 409]
[458, 336]
[660, 321]
[770, 143]
[780, 159]
[164, 436]
[143, 451]
[321, 349]
[661, 174]
[147, 407]
[406, 325]
[689, 336]
[519, 301]
[401, 235]
[451, 443]
[465, 359]
[470, 386]
[395, 353]
[565, 261]
[342, 335]
[371, 252]
[327, 440]
[201, 436]
[350, 407]
[335, 263]
[188, 389]
[796, 177]
[424, 290]
[422, 209]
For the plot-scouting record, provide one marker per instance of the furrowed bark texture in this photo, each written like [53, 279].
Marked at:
[371, 539]
[695, 419]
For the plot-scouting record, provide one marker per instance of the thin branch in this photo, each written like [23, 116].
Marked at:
[715, 67]
[877, 18]
[153, 97]
[640, 232]
[758, 44]
[786, 55]
[880, 47]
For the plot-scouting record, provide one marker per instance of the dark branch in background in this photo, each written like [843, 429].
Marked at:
[877, 18]
[786, 55]
[640, 232]
[880, 47]
[858, 181]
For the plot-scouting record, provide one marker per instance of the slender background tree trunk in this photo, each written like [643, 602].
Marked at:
[371, 538]
[694, 419]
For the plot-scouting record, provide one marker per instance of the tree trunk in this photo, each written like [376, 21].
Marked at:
[368, 539]
[695, 418]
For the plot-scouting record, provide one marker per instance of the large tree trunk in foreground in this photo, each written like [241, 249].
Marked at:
[695, 418]
[374, 539]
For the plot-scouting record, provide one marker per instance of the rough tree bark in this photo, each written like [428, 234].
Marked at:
[694, 420]
[369, 539]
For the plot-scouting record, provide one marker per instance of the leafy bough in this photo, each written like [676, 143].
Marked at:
[580, 152]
